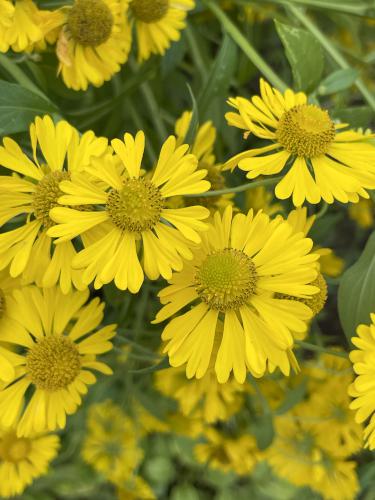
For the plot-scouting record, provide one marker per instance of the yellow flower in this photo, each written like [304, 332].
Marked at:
[363, 213]
[147, 422]
[300, 455]
[324, 163]
[23, 459]
[30, 196]
[203, 149]
[363, 388]
[204, 398]
[9, 327]
[111, 445]
[23, 26]
[261, 199]
[191, 427]
[242, 262]
[238, 454]
[158, 23]
[94, 42]
[58, 346]
[135, 488]
[133, 214]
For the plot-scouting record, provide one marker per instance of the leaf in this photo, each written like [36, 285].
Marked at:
[305, 56]
[356, 295]
[220, 75]
[264, 431]
[337, 81]
[19, 107]
[194, 122]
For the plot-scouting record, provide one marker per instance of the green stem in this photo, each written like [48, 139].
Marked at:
[238, 189]
[316, 348]
[196, 53]
[247, 48]
[322, 210]
[332, 51]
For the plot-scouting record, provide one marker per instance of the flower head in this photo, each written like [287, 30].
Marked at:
[242, 263]
[133, 216]
[32, 191]
[362, 389]
[317, 157]
[158, 23]
[94, 42]
[23, 459]
[57, 347]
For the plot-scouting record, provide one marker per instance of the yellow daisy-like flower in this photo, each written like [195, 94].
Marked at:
[239, 454]
[363, 213]
[135, 488]
[300, 455]
[321, 162]
[58, 346]
[203, 149]
[7, 13]
[94, 42]
[133, 215]
[111, 445]
[261, 199]
[58, 150]
[9, 327]
[363, 388]
[158, 23]
[23, 459]
[242, 262]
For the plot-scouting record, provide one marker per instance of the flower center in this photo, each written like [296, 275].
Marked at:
[150, 11]
[317, 301]
[53, 363]
[46, 195]
[226, 279]
[90, 22]
[137, 207]
[2, 304]
[306, 130]
[14, 449]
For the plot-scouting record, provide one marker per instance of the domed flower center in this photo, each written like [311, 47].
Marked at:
[46, 194]
[2, 303]
[306, 131]
[137, 207]
[149, 11]
[90, 22]
[226, 279]
[53, 363]
[317, 301]
[14, 449]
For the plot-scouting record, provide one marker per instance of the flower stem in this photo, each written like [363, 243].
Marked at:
[332, 51]
[312, 347]
[247, 48]
[238, 189]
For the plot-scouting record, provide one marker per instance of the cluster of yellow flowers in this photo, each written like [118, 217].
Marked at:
[92, 38]
[81, 210]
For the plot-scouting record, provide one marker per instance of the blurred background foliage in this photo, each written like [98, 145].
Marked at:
[323, 47]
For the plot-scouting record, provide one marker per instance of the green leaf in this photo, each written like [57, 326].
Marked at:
[184, 492]
[356, 295]
[220, 76]
[304, 54]
[338, 80]
[194, 122]
[159, 470]
[19, 107]
[264, 430]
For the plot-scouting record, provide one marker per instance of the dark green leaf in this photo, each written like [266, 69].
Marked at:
[304, 54]
[356, 296]
[19, 107]
[359, 116]
[264, 430]
[194, 122]
[220, 76]
[337, 81]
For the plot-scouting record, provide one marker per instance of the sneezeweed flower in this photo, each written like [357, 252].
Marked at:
[260, 199]
[7, 13]
[134, 216]
[321, 162]
[110, 445]
[362, 388]
[362, 213]
[135, 488]
[23, 459]
[203, 148]
[242, 262]
[300, 454]
[94, 42]
[32, 191]
[158, 23]
[227, 453]
[57, 348]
